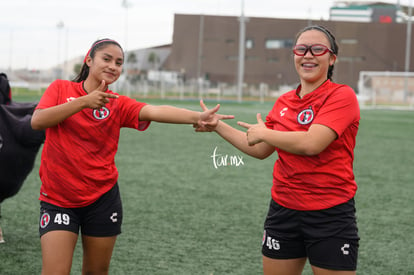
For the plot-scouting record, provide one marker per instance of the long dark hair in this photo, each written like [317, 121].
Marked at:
[101, 43]
[332, 42]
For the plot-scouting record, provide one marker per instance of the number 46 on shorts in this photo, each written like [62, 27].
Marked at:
[271, 243]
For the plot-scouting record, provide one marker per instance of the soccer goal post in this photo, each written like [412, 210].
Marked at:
[386, 89]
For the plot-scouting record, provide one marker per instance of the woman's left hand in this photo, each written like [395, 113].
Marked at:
[255, 132]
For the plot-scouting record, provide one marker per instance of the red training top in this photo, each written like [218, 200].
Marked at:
[78, 158]
[327, 179]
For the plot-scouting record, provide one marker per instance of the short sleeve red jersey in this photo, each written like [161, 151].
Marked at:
[327, 179]
[78, 157]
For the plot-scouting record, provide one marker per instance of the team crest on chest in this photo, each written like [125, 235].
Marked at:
[306, 116]
[101, 113]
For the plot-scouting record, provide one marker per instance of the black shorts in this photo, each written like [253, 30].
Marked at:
[328, 238]
[102, 218]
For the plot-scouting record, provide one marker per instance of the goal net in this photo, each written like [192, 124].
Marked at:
[386, 89]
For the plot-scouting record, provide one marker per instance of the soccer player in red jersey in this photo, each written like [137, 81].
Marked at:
[79, 188]
[313, 130]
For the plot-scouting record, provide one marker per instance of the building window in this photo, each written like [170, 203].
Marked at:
[272, 60]
[351, 58]
[232, 57]
[249, 44]
[278, 43]
[252, 57]
[349, 41]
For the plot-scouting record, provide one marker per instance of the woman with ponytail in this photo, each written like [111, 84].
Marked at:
[79, 192]
[313, 129]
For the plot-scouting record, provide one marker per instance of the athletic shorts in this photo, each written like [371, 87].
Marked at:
[102, 218]
[328, 238]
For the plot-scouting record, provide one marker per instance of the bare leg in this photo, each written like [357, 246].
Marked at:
[283, 267]
[1, 232]
[57, 252]
[322, 271]
[97, 253]
[1, 236]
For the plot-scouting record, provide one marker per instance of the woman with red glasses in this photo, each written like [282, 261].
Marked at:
[313, 130]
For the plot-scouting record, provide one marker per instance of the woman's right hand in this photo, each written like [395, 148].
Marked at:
[209, 119]
[98, 97]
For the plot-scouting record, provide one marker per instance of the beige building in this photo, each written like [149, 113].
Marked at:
[208, 46]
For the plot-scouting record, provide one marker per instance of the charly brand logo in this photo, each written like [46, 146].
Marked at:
[114, 217]
[222, 160]
[345, 248]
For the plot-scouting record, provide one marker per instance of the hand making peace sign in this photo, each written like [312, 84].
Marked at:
[254, 132]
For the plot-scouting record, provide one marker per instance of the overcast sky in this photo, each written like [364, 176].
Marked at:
[31, 38]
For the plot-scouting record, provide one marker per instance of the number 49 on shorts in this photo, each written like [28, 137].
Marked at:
[62, 219]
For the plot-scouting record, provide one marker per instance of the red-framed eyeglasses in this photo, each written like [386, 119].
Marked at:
[315, 49]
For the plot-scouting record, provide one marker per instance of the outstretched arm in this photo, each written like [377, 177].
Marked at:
[45, 118]
[170, 114]
[310, 142]
[235, 137]
[260, 141]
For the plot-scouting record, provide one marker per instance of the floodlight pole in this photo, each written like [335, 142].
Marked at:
[200, 78]
[60, 25]
[11, 52]
[125, 4]
[242, 39]
[407, 50]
